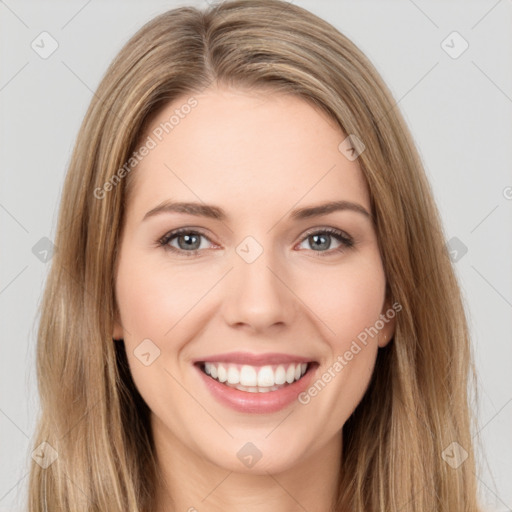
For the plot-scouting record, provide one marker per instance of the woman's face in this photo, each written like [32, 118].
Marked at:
[257, 285]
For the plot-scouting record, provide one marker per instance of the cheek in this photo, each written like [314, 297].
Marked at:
[341, 385]
[163, 304]
[154, 301]
[347, 299]
[346, 371]
[153, 297]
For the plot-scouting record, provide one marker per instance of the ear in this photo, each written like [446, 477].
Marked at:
[388, 318]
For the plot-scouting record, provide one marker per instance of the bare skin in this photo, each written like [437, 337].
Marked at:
[258, 156]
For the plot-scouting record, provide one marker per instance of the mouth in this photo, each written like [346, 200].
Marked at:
[252, 383]
[256, 378]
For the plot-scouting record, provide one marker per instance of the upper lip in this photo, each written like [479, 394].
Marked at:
[254, 359]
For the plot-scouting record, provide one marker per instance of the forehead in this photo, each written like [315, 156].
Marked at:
[246, 150]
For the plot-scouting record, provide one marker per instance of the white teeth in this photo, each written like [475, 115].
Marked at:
[222, 374]
[256, 379]
[266, 377]
[280, 376]
[233, 375]
[290, 374]
[248, 376]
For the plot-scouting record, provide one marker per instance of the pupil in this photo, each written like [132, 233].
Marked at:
[189, 240]
[325, 244]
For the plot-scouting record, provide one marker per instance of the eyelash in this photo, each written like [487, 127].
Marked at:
[346, 241]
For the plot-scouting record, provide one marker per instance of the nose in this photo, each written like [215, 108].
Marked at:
[257, 295]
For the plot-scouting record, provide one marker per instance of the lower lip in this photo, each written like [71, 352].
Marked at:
[257, 403]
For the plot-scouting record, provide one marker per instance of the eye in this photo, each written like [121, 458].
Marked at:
[188, 241]
[320, 240]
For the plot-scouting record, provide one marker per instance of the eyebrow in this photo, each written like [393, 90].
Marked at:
[217, 213]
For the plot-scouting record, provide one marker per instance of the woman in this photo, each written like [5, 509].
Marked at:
[251, 306]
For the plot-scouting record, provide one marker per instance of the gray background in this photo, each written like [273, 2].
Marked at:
[459, 111]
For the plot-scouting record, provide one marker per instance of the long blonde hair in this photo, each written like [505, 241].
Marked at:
[417, 402]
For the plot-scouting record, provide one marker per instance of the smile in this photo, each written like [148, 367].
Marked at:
[255, 379]
[255, 383]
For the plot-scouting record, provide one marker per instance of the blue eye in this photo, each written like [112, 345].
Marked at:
[189, 241]
[321, 239]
